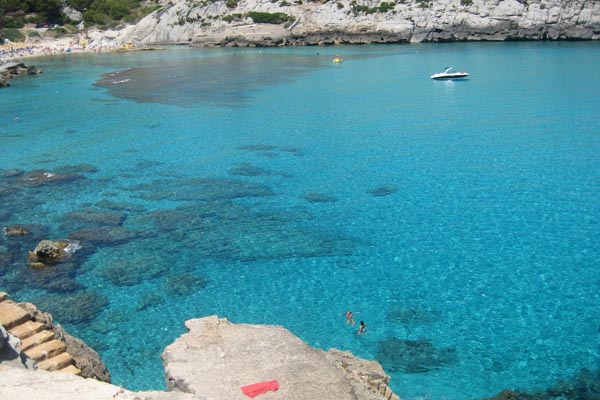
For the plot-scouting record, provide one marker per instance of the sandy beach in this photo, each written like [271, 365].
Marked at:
[15, 51]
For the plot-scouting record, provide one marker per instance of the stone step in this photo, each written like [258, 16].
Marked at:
[58, 362]
[3, 296]
[26, 329]
[12, 315]
[71, 369]
[37, 339]
[46, 350]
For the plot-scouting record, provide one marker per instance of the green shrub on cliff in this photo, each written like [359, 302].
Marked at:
[232, 17]
[12, 34]
[360, 8]
[110, 12]
[385, 7]
[269, 18]
[12, 12]
[80, 5]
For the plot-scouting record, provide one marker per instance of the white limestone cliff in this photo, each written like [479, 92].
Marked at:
[328, 22]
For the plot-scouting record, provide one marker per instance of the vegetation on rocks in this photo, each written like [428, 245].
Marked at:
[17, 13]
[259, 17]
[382, 8]
[11, 34]
[269, 18]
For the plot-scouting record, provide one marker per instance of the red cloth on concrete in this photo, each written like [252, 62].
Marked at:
[256, 389]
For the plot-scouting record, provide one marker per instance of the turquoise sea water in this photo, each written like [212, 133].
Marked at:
[461, 220]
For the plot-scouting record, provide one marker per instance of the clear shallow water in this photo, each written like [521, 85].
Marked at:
[248, 180]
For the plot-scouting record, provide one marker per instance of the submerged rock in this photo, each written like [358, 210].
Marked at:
[63, 284]
[149, 300]
[16, 230]
[48, 252]
[120, 206]
[97, 217]
[236, 232]
[105, 236]
[45, 177]
[257, 147]
[318, 198]
[413, 356]
[583, 386]
[122, 271]
[183, 284]
[247, 169]
[206, 189]
[75, 308]
[383, 191]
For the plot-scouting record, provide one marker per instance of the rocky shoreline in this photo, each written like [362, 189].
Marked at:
[213, 360]
[262, 23]
[12, 70]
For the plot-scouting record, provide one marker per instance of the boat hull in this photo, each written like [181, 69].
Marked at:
[457, 75]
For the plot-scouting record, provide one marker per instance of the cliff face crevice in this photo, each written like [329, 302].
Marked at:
[226, 23]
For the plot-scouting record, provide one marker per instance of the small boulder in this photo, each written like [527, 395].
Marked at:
[42, 177]
[48, 252]
[33, 70]
[16, 230]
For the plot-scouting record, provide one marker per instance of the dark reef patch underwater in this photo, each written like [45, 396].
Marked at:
[413, 356]
[176, 81]
[585, 385]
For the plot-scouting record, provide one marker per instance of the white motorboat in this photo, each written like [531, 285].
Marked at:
[449, 75]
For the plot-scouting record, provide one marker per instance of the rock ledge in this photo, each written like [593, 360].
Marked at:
[216, 357]
[213, 360]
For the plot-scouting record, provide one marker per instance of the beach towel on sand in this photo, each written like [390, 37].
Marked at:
[256, 389]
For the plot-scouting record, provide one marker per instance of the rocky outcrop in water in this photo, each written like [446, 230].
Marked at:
[231, 22]
[48, 252]
[11, 70]
[216, 357]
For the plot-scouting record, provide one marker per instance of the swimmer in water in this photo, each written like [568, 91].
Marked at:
[349, 318]
[362, 328]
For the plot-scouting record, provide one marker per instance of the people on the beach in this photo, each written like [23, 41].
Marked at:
[362, 327]
[16, 50]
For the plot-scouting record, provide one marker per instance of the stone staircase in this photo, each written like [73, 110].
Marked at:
[38, 342]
